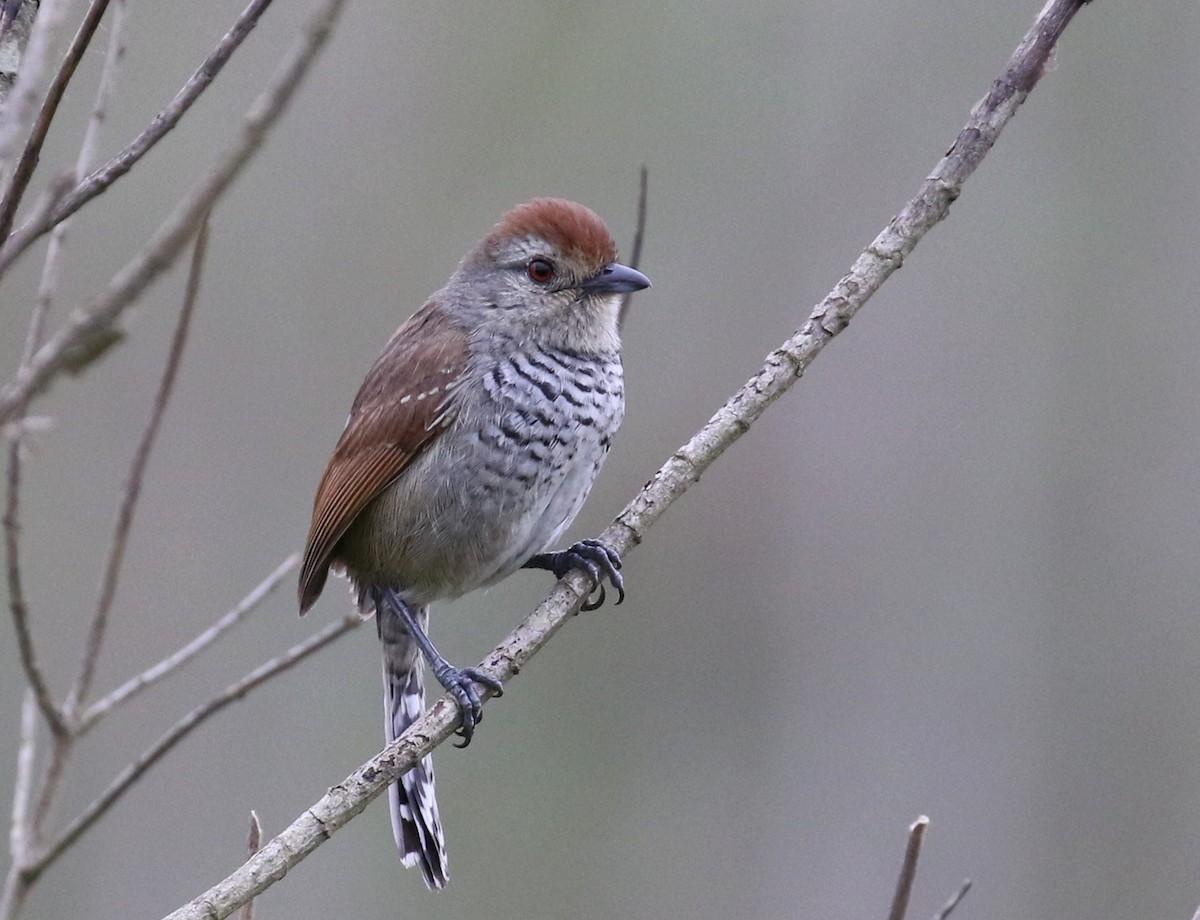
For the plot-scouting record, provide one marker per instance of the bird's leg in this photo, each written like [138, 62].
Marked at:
[590, 556]
[458, 682]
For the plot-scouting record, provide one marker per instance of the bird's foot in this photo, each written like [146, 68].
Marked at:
[600, 562]
[460, 684]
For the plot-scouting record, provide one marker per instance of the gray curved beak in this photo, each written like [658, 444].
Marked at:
[616, 278]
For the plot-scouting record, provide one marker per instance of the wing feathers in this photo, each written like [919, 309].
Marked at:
[403, 403]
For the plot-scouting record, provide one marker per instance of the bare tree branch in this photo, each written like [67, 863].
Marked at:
[948, 907]
[21, 838]
[782, 368]
[23, 785]
[163, 123]
[41, 126]
[908, 869]
[136, 685]
[639, 235]
[16, 595]
[91, 331]
[104, 90]
[180, 730]
[137, 469]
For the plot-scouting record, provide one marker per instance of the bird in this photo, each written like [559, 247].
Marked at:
[471, 446]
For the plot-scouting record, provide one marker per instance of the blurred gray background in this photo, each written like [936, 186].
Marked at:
[953, 572]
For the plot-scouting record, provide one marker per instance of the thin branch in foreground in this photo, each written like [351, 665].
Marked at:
[41, 126]
[23, 785]
[948, 907]
[91, 331]
[137, 470]
[87, 147]
[151, 675]
[180, 730]
[639, 235]
[16, 596]
[12, 531]
[782, 368]
[159, 127]
[908, 869]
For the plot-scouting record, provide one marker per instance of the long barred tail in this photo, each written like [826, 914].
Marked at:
[415, 821]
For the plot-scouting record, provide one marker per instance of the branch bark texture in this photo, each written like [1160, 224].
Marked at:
[780, 371]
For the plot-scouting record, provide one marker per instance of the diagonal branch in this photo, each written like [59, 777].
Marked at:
[955, 899]
[23, 785]
[91, 186]
[180, 730]
[91, 331]
[16, 596]
[151, 675]
[908, 869]
[639, 234]
[41, 126]
[83, 161]
[782, 368]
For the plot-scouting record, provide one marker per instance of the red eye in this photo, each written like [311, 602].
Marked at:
[540, 271]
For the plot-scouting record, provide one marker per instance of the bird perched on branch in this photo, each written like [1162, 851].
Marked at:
[471, 446]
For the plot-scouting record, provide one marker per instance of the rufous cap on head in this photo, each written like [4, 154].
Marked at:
[575, 231]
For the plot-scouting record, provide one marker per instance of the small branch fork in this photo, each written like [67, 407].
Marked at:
[99, 181]
[780, 371]
[908, 876]
[93, 329]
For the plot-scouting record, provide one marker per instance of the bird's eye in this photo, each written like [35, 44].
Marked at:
[540, 271]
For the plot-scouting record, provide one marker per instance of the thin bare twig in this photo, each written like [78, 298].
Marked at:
[908, 869]
[87, 147]
[21, 839]
[639, 235]
[781, 369]
[252, 845]
[64, 740]
[180, 730]
[136, 685]
[41, 126]
[948, 907]
[16, 596]
[12, 531]
[137, 469]
[163, 122]
[91, 331]
[23, 786]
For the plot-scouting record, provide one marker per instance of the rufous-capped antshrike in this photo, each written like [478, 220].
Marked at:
[470, 447]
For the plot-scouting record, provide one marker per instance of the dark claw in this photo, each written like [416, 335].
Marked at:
[598, 561]
[598, 602]
[460, 684]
